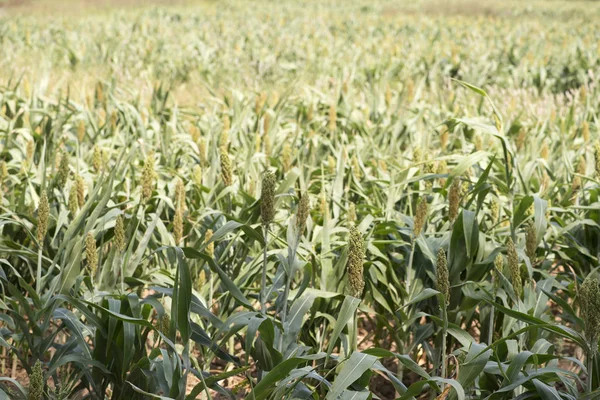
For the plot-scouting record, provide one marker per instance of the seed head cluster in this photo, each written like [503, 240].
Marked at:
[531, 242]
[43, 215]
[443, 276]
[267, 198]
[420, 217]
[589, 300]
[120, 242]
[513, 265]
[354, 266]
[597, 159]
[91, 253]
[454, 195]
[36, 382]
[226, 169]
[302, 213]
[210, 247]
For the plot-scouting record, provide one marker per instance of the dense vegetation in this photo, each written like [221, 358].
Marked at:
[301, 200]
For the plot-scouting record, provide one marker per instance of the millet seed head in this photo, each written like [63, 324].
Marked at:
[454, 197]
[202, 151]
[498, 268]
[80, 187]
[197, 175]
[589, 300]
[597, 159]
[73, 202]
[302, 212]
[81, 131]
[351, 213]
[91, 253]
[286, 157]
[267, 198]
[63, 170]
[120, 242]
[443, 276]
[43, 215]
[29, 152]
[332, 117]
[354, 266]
[36, 382]
[97, 159]
[331, 165]
[178, 225]
[179, 193]
[420, 217]
[531, 242]
[514, 266]
[148, 175]
[210, 247]
[226, 169]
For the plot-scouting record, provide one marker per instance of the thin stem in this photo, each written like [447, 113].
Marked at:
[444, 338]
[590, 368]
[38, 281]
[409, 267]
[122, 272]
[263, 301]
[288, 284]
[492, 310]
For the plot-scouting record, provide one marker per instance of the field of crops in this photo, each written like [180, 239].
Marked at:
[300, 200]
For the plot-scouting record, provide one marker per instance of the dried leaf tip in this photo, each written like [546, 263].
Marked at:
[354, 266]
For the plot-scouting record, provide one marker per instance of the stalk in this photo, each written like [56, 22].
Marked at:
[590, 367]
[444, 339]
[263, 281]
[409, 268]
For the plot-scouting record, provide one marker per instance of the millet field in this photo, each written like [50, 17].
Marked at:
[301, 199]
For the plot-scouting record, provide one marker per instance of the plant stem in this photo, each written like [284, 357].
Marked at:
[590, 368]
[38, 281]
[444, 337]
[409, 267]
[263, 301]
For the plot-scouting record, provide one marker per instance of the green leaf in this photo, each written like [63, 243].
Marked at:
[347, 311]
[352, 369]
